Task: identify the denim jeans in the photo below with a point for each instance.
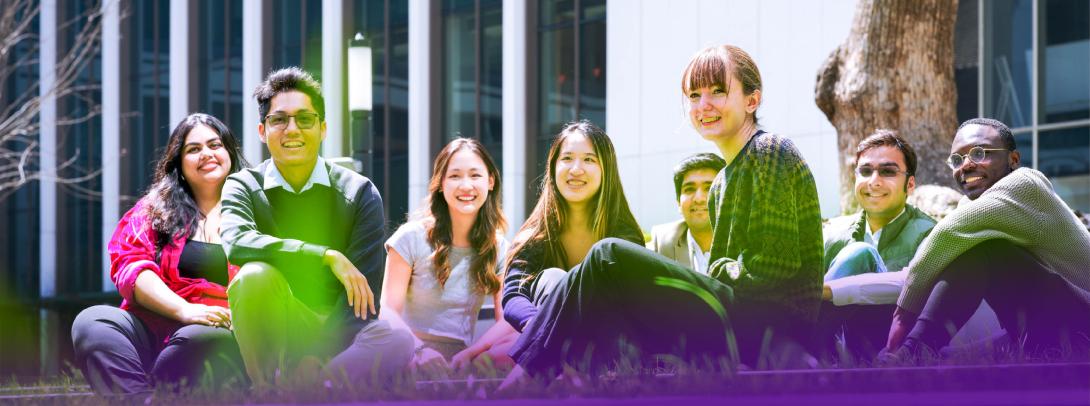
(854, 259)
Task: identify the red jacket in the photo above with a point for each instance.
(132, 250)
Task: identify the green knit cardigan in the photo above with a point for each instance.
(767, 242)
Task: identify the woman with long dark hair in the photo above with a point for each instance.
(171, 271)
(442, 264)
(582, 202)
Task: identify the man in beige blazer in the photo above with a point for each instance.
(688, 240)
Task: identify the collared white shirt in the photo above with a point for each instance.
(873, 239)
(697, 257)
(273, 177)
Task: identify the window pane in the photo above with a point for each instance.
(219, 65)
(492, 79)
(79, 207)
(459, 71)
(1065, 60)
(967, 60)
(592, 61)
(297, 35)
(1065, 159)
(1007, 63)
(145, 124)
(386, 30)
(556, 12)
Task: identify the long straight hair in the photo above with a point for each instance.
(610, 215)
(169, 201)
(490, 221)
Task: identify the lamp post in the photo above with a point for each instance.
(359, 103)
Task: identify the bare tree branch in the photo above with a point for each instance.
(20, 151)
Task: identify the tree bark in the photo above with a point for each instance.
(896, 71)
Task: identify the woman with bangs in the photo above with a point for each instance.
(762, 291)
(443, 262)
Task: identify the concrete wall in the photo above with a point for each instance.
(649, 42)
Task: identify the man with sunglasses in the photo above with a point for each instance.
(865, 251)
(308, 236)
(1011, 241)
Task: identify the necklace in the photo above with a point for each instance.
(210, 234)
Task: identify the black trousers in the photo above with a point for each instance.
(119, 355)
(623, 291)
(1037, 307)
(863, 329)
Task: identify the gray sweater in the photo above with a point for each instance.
(1021, 208)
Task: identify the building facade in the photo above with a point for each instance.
(507, 72)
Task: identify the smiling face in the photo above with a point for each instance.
(720, 112)
(578, 170)
(204, 158)
(466, 183)
(976, 177)
(292, 148)
(883, 197)
(694, 198)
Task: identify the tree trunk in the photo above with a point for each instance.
(896, 71)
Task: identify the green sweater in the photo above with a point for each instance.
(896, 245)
(1021, 208)
(767, 224)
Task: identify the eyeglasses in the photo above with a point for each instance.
(883, 171)
(304, 120)
(976, 154)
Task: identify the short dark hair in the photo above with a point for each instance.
(287, 80)
(703, 160)
(884, 137)
(1004, 131)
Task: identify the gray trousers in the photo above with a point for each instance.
(119, 355)
(275, 330)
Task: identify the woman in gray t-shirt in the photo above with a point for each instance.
(443, 262)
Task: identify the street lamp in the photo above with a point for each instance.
(359, 102)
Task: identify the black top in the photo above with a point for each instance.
(201, 260)
(518, 295)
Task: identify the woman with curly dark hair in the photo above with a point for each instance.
(171, 271)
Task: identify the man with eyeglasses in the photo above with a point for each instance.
(866, 251)
(1011, 241)
(309, 237)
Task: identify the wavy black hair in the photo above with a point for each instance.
(169, 200)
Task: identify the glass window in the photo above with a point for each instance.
(592, 62)
(146, 103)
(967, 60)
(1064, 41)
(1008, 66)
(459, 69)
(79, 205)
(571, 74)
(19, 210)
(1065, 159)
(219, 63)
(385, 27)
(297, 34)
(473, 73)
